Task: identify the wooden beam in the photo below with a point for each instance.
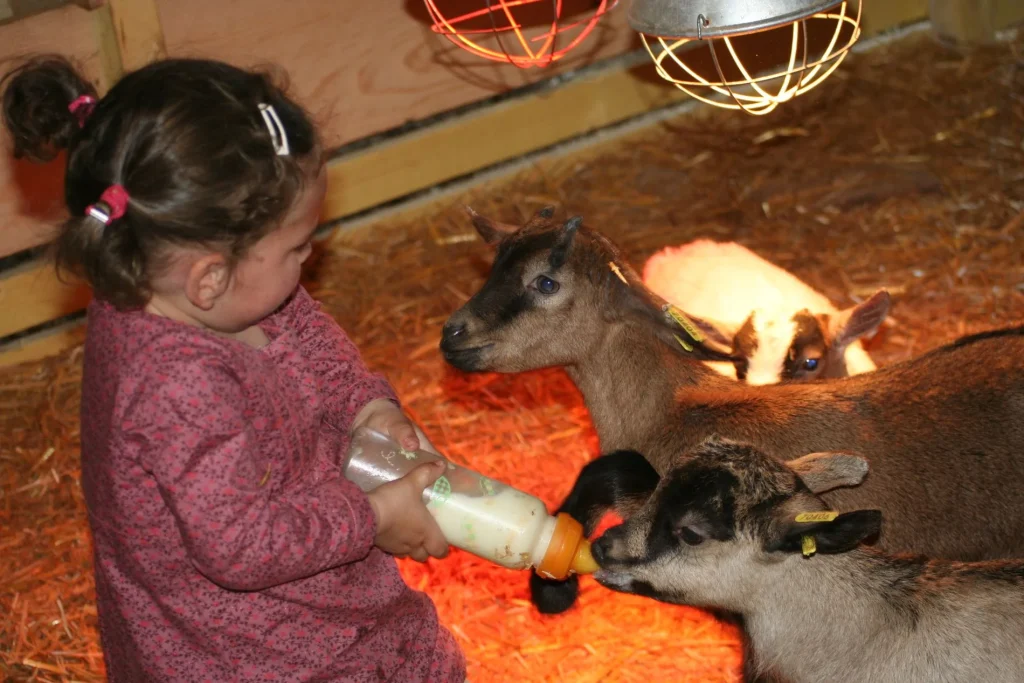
(389, 170)
(111, 67)
(137, 29)
(47, 343)
(31, 295)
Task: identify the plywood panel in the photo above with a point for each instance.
(140, 38)
(390, 170)
(1006, 13)
(43, 344)
(362, 67)
(30, 195)
(33, 295)
(882, 16)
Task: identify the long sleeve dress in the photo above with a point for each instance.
(228, 545)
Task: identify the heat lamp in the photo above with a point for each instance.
(525, 33)
(810, 37)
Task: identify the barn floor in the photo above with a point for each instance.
(905, 170)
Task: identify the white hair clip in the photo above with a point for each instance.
(277, 134)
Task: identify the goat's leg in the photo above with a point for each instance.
(619, 481)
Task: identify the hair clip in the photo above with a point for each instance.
(82, 107)
(277, 133)
(111, 205)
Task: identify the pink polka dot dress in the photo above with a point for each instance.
(228, 545)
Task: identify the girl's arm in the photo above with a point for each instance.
(242, 526)
(347, 386)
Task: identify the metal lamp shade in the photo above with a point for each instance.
(740, 65)
(713, 18)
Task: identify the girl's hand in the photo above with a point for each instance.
(404, 525)
(385, 417)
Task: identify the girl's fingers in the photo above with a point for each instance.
(437, 546)
(403, 433)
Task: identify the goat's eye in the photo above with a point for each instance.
(545, 285)
(811, 364)
(688, 536)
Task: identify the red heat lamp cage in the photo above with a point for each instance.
(525, 33)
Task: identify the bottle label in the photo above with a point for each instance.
(442, 491)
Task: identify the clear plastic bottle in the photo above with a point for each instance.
(475, 513)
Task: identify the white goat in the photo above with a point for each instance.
(780, 326)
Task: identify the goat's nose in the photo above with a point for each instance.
(452, 330)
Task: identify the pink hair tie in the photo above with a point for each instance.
(111, 205)
(82, 107)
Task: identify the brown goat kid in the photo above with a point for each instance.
(723, 531)
(944, 432)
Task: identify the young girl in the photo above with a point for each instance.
(217, 398)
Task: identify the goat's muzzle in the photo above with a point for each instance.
(457, 347)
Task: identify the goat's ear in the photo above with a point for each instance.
(695, 337)
(692, 337)
(720, 333)
(862, 320)
(544, 214)
(844, 533)
(560, 252)
(825, 471)
(492, 232)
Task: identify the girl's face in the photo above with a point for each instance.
(269, 272)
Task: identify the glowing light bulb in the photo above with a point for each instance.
(525, 33)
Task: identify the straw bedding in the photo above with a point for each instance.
(904, 171)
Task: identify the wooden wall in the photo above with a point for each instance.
(360, 67)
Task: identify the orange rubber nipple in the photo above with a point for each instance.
(568, 552)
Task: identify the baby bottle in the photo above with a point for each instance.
(477, 514)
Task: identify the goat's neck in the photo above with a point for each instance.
(628, 380)
(820, 617)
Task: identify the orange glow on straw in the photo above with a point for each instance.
(524, 51)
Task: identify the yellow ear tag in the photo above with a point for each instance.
(684, 323)
(686, 347)
(808, 546)
(615, 269)
(826, 516)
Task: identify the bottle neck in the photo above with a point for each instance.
(544, 538)
(563, 548)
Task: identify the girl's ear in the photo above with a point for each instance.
(689, 336)
(207, 280)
